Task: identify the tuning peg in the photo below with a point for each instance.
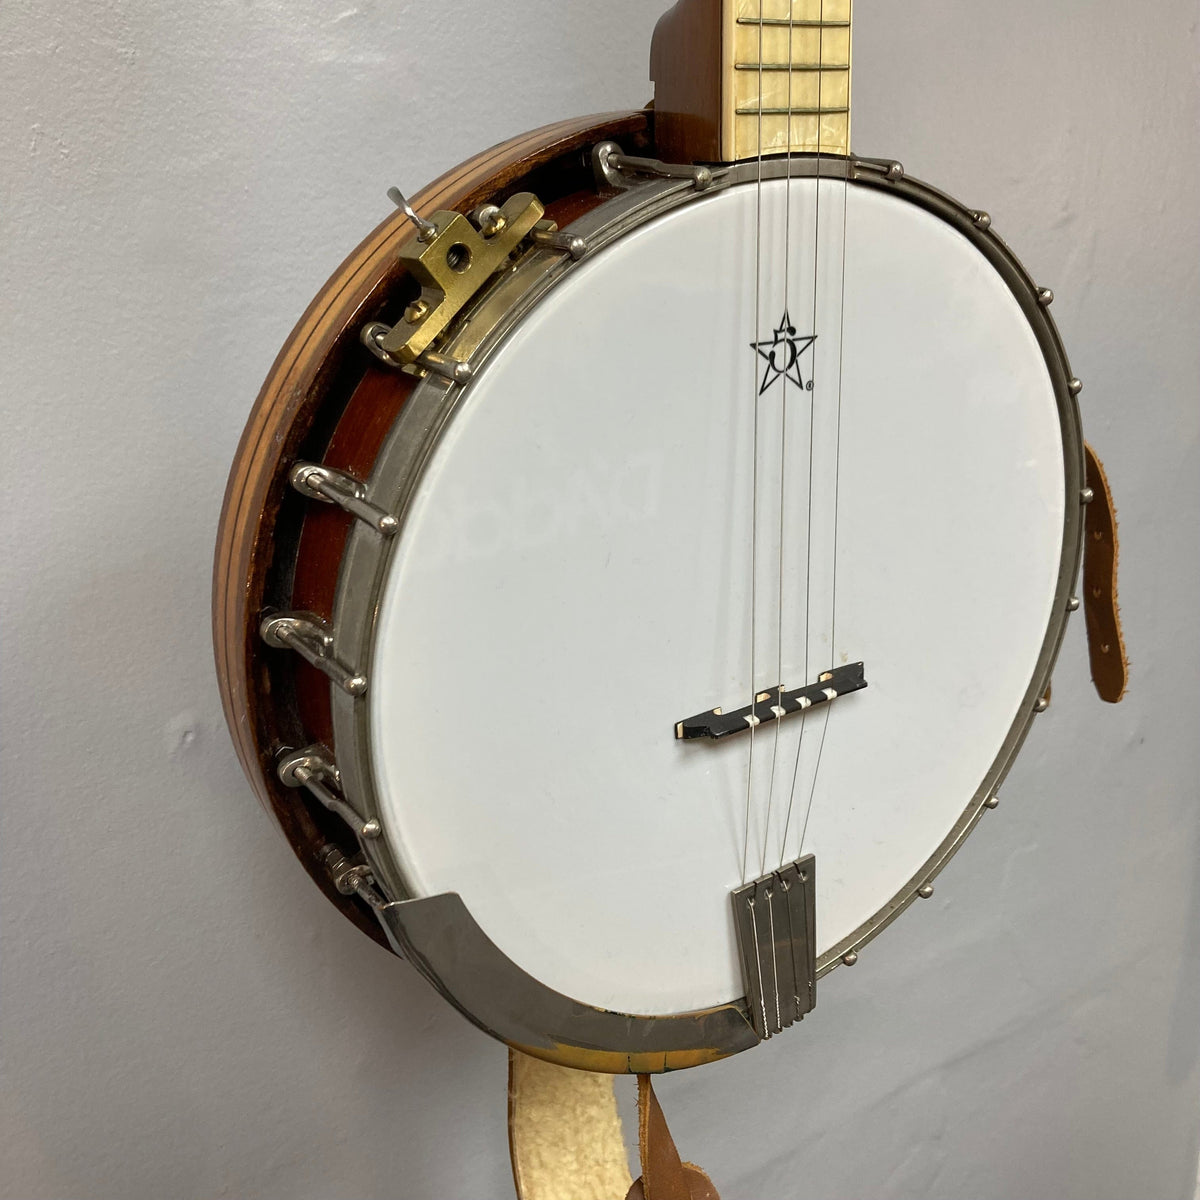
(426, 230)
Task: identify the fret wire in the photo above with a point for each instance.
(791, 67)
(795, 112)
(793, 24)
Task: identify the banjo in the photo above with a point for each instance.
(649, 552)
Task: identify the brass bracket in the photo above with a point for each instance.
(452, 260)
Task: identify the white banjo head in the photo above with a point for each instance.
(655, 451)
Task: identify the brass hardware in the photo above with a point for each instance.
(416, 312)
(453, 263)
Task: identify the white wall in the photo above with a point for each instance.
(183, 1016)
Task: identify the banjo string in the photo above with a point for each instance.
(811, 436)
(787, 247)
(754, 451)
(837, 470)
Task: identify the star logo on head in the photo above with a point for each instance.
(781, 353)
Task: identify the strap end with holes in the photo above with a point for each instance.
(1106, 642)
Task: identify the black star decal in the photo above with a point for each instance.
(782, 356)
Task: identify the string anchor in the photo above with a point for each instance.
(775, 919)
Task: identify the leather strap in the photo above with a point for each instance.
(664, 1176)
(1106, 644)
(564, 1133)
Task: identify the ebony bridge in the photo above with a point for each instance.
(772, 704)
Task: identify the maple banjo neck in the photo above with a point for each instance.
(611, 626)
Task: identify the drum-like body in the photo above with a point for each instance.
(760, 431)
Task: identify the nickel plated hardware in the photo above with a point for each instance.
(889, 168)
(613, 169)
(750, 66)
(490, 220)
(772, 704)
(775, 918)
(431, 362)
(312, 639)
(790, 23)
(811, 111)
(336, 487)
(546, 234)
(313, 769)
(426, 230)
(352, 877)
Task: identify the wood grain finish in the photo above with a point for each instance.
(803, 110)
(685, 64)
(326, 400)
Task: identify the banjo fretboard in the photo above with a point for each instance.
(786, 77)
(739, 79)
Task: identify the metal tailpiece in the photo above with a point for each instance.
(452, 259)
(312, 639)
(775, 918)
(336, 487)
(313, 769)
(617, 170)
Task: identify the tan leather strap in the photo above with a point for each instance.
(564, 1134)
(1106, 644)
(664, 1176)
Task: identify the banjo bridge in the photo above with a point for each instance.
(773, 704)
(775, 921)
